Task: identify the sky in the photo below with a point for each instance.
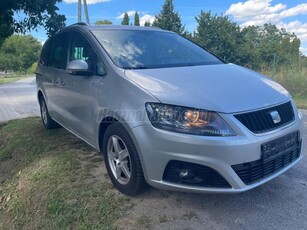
(288, 14)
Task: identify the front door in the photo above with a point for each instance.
(80, 106)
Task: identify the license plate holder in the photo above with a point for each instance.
(275, 148)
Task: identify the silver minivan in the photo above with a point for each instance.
(165, 112)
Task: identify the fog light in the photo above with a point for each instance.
(185, 174)
(190, 174)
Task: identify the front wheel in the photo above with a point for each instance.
(122, 160)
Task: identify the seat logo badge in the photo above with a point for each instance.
(275, 116)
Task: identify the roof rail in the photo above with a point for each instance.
(79, 24)
(155, 27)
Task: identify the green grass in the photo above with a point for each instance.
(52, 180)
(294, 79)
(301, 101)
(15, 76)
(9, 79)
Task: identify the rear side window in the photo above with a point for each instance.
(44, 55)
(58, 51)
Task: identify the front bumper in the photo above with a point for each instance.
(157, 148)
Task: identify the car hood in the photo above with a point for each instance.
(225, 88)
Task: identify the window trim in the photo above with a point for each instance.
(50, 51)
(45, 52)
(91, 45)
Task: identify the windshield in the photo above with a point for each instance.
(137, 49)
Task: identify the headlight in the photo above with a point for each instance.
(187, 120)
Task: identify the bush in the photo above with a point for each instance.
(294, 80)
(18, 52)
(32, 69)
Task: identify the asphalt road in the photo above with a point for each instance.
(18, 99)
(278, 204)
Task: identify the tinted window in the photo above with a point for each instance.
(151, 49)
(80, 49)
(58, 52)
(44, 55)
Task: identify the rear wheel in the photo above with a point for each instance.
(48, 122)
(122, 160)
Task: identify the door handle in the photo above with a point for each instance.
(58, 83)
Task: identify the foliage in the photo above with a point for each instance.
(126, 19)
(32, 69)
(5, 80)
(37, 13)
(168, 19)
(136, 19)
(19, 52)
(294, 79)
(103, 22)
(219, 35)
(253, 46)
(9, 62)
(277, 41)
(147, 24)
(304, 61)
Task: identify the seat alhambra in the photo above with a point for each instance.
(166, 112)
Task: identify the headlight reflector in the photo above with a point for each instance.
(187, 120)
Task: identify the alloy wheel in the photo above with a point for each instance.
(119, 159)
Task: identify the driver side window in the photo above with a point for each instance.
(80, 49)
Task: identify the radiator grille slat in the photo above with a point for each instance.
(261, 121)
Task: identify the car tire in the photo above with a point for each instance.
(48, 122)
(122, 161)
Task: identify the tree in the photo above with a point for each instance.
(257, 47)
(147, 24)
(126, 19)
(103, 22)
(219, 35)
(278, 42)
(266, 45)
(249, 50)
(36, 13)
(168, 19)
(9, 62)
(136, 19)
(19, 52)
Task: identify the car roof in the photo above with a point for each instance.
(85, 27)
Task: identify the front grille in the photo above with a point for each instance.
(197, 175)
(254, 171)
(261, 121)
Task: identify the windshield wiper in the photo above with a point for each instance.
(136, 67)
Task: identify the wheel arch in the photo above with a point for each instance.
(40, 95)
(104, 124)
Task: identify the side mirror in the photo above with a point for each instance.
(78, 67)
